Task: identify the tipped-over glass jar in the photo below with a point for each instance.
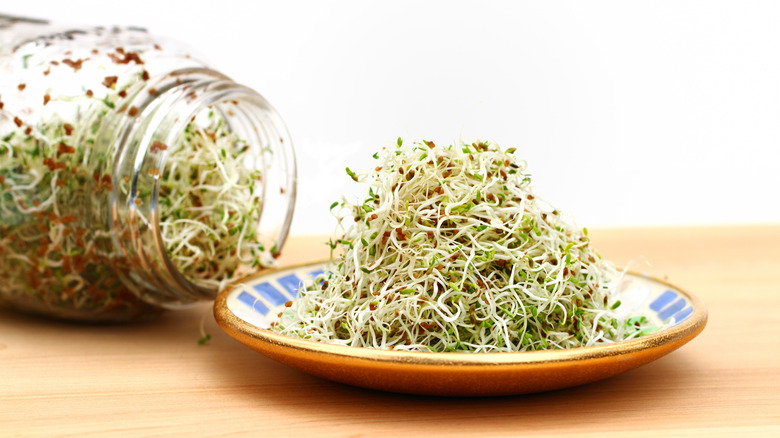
(132, 176)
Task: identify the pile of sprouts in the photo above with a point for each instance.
(451, 251)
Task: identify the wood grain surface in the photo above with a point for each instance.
(152, 378)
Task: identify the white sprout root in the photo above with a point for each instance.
(451, 251)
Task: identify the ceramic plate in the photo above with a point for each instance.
(244, 313)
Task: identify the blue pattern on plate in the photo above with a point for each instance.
(275, 291)
(270, 293)
(291, 283)
(671, 309)
(253, 302)
(666, 307)
(682, 314)
(665, 298)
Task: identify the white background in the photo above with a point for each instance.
(628, 113)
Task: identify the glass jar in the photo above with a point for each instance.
(133, 177)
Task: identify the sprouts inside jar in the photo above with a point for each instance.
(65, 99)
(451, 251)
(210, 198)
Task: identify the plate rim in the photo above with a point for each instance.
(250, 334)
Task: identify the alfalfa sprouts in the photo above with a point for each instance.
(61, 252)
(451, 251)
(211, 205)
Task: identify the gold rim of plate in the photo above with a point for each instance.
(461, 374)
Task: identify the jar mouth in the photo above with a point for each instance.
(208, 189)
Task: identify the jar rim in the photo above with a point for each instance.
(164, 119)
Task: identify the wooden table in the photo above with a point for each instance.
(153, 378)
